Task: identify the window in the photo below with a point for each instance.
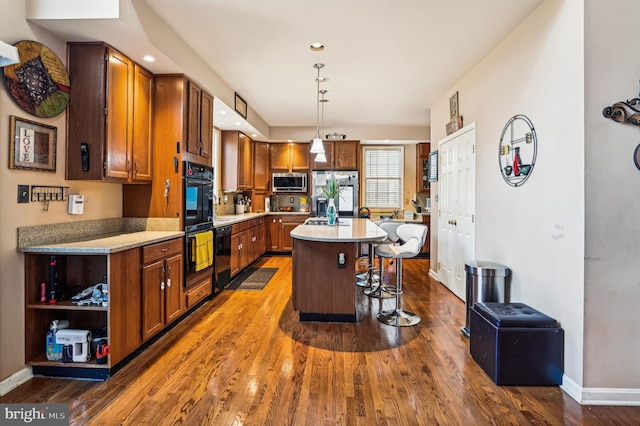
(383, 170)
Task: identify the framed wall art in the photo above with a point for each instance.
(241, 106)
(453, 106)
(32, 145)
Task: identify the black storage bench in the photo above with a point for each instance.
(515, 344)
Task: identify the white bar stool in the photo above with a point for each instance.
(390, 228)
(412, 237)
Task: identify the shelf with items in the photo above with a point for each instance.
(422, 167)
(73, 273)
(68, 305)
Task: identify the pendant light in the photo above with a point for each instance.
(321, 157)
(316, 145)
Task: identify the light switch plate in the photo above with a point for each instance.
(23, 193)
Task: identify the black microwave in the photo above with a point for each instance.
(289, 182)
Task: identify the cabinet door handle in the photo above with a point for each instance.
(128, 165)
(169, 282)
(137, 167)
(162, 285)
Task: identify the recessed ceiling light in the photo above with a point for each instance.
(223, 112)
(316, 47)
(149, 58)
(238, 123)
(289, 140)
(253, 135)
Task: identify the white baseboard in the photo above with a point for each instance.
(433, 274)
(15, 380)
(601, 396)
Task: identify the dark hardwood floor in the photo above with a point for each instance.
(243, 358)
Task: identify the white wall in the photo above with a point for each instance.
(612, 273)
(537, 229)
(104, 199)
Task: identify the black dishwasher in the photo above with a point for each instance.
(222, 257)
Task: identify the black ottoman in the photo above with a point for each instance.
(515, 344)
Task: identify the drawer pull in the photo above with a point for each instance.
(165, 249)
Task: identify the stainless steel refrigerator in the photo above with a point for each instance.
(348, 200)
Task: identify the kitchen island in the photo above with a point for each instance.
(324, 267)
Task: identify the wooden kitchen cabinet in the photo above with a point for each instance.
(200, 123)
(279, 231)
(422, 167)
(341, 155)
(290, 157)
(162, 283)
(261, 169)
(171, 130)
(426, 248)
(237, 161)
(111, 115)
(240, 247)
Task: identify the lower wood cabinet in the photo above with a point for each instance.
(279, 230)
(248, 243)
(162, 283)
(199, 291)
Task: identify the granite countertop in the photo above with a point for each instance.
(348, 230)
(237, 218)
(104, 244)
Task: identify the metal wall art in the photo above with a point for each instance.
(626, 112)
(39, 83)
(517, 150)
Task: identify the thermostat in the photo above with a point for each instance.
(76, 204)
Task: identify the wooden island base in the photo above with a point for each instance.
(322, 290)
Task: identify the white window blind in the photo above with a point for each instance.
(383, 168)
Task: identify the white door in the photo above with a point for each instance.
(456, 215)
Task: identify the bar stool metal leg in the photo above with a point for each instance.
(397, 317)
(378, 291)
(368, 278)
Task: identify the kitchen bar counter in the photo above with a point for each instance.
(324, 268)
(347, 230)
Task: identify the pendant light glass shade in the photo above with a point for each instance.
(321, 158)
(316, 146)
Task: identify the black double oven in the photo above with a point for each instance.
(197, 180)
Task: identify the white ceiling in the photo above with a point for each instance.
(387, 61)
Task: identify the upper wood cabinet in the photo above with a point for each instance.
(261, 166)
(341, 155)
(237, 161)
(290, 156)
(200, 122)
(173, 126)
(111, 115)
(422, 167)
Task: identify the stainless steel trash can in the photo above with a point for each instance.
(486, 282)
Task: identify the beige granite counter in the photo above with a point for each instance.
(237, 218)
(104, 244)
(348, 230)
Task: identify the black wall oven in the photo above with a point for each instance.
(198, 216)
